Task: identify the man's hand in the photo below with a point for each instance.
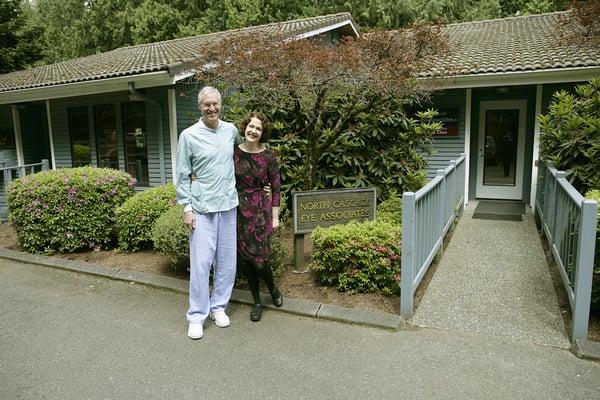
(190, 220)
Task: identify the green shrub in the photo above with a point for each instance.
(390, 210)
(137, 215)
(279, 255)
(68, 209)
(595, 195)
(170, 236)
(571, 137)
(358, 257)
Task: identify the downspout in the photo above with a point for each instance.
(137, 96)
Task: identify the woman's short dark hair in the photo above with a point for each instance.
(266, 125)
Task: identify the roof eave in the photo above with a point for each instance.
(117, 84)
(555, 75)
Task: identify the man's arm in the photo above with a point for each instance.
(184, 185)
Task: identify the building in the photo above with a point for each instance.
(124, 108)
(500, 75)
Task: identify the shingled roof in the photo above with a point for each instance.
(528, 43)
(168, 55)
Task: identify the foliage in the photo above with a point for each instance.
(390, 211)
(338, 111)
(571, 134)
(358, 257)
(135, 217)
(20, 47)
(68, 209)
(582, 24)
(170, 236)
(595, 195)
(58, 30)
(279, 255)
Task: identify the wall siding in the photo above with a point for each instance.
(448, 148)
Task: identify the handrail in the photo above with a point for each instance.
(427, 215)
(568, 222)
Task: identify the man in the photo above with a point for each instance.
(206, 186)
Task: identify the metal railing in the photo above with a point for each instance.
(8, 174)
(569, 221)
(427, 215)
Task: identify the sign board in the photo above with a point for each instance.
(329, 207)
(448, 117)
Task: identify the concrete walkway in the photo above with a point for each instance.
(493, 279)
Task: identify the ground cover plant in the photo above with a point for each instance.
(68, 209)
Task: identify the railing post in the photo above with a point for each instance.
(453, 186)
(584, 269)
(441, 203)
(45, 165)
(408, 254)
(554, 203)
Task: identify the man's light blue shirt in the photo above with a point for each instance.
(208, 154)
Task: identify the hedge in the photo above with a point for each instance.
(135, 218)
(358, 257)
(170, 235)
(68, 209)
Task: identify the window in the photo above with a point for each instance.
(135, 140)
(106, 136)
(81, 153)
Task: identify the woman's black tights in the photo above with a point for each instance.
(253, 271)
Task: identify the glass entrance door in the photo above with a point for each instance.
(501, 150)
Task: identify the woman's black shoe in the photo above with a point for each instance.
(256, 313)
(277, 297)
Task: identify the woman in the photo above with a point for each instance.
(258, 213)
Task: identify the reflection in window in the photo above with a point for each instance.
(106, 136)
(7, 139)
(136, 145)
(81, 153)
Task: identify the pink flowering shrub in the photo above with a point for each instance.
(358, 257)
(137, 215)
(68, 209)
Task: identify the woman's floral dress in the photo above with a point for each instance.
(254, 171)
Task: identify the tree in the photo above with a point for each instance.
(582, 23)
(154, 21)
(322, 96)
(20, 47)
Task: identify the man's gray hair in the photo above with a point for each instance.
(205, 91)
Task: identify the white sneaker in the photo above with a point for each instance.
(221, 319)
(195, 330)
